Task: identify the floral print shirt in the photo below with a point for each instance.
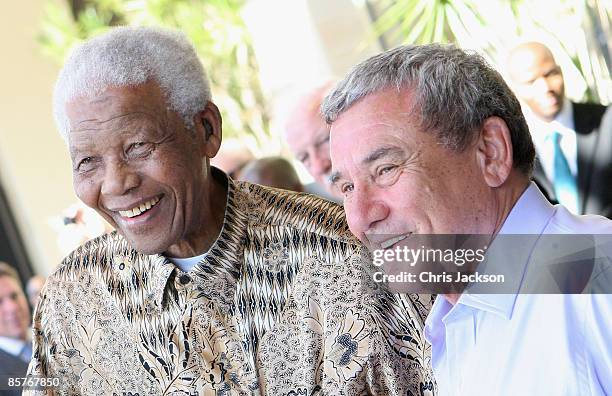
(280, 305)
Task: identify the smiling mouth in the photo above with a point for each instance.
(386, 244)
(138, 210)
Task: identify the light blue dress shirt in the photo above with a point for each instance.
(526, 344)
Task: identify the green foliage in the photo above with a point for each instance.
(427, 21)
(492, 26)
(215, 27)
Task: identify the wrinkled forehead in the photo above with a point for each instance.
(147, 95)
(113, 103)
(359, 138)
(389, 107)
(355, 139)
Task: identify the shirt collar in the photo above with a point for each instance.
(527, 219)
(566, 115)
(218, 267)
(541, 129)
(11, 345)
(533, 203)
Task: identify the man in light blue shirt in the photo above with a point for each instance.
(526, 344)
(429, 140)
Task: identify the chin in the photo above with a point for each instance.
(149, 249)
(146, 248)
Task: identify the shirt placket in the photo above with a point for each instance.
(460, 341)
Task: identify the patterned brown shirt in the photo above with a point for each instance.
(280, 305)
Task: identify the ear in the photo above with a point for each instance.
(494, 151)
(207, 125)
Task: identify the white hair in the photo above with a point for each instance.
(127, 56)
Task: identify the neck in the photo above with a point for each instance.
(549, 118)
(452, 298)
(212, 216)
(505, 197)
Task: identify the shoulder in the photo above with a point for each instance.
(589, 116)
(300, 211)
(95, 256)
(589, 317)
(565, 222)
(106, 264)
(12, 365)
(589, 108)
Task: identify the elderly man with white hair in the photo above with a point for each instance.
(208, 286)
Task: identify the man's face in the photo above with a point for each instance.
(14, 309)
(398, 181)
(308, 138)
(538, 81)
(137, 165)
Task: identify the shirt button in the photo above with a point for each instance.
(184, 279)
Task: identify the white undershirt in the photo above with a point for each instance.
(187, 264)
(14, 346)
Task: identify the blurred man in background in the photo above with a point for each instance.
(15, 344)
(232, 157)
(274, 172)
(307, 136)
(573, 140)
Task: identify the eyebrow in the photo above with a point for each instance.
(372, 157)
(380, 153)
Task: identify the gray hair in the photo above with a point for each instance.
(454, 91)
(127, 56)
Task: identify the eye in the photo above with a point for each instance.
(346, 188)
(386, 169)
(139, 149)
(386, 172)
(86, 164)
(387, 175)
(554, 72)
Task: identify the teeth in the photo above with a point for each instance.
(390, 242)
(139, 209)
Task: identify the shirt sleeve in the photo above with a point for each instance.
(38, 367)
(599, 343)
(400, 357)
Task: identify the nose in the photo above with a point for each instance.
(119, 179)
(365, 212)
